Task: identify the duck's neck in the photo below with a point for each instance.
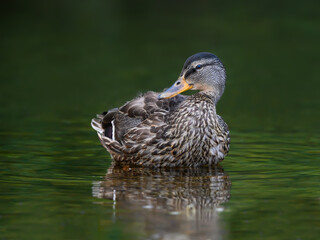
(203, 102)
(209, 96)
(214, 91)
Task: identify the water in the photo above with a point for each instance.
(61, 64)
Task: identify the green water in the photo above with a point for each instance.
(61, 63)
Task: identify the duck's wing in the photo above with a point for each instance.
(136, 121)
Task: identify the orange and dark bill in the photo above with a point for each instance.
(178, 87)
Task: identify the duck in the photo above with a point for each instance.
(168, 129)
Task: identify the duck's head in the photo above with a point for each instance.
(202, 71)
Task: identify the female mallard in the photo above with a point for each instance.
(170, 130)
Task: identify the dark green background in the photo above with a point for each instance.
(64, 61)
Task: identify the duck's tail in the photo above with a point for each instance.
(103, 124)
(96, 124)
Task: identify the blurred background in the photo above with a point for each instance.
(71, 60)
(64, 61)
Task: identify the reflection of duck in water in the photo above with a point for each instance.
(177, 201)
(170, 130)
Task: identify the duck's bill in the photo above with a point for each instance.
(178, 87)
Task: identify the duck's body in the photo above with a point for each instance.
(168, 130)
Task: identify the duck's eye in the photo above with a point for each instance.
(199, 66)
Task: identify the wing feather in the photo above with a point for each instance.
(139, 121)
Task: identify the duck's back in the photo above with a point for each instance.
(117, 122)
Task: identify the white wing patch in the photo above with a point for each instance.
(113, 130)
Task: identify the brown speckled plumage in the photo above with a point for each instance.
(171, 132)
